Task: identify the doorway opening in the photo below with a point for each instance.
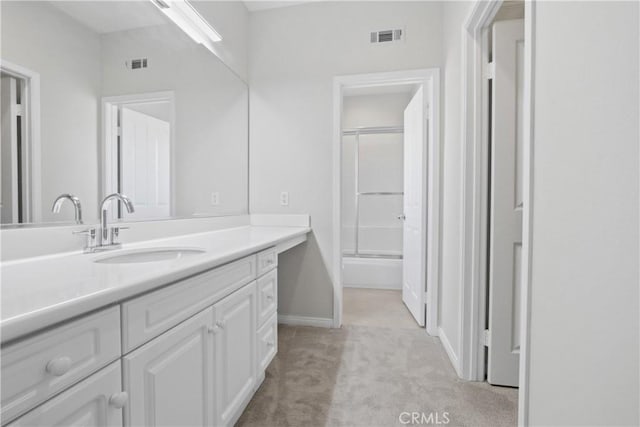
(498, 64)
(138, 152)
(20, 145)
(386, 161)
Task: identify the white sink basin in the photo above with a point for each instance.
(148, 255)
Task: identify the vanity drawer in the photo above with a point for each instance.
(267, 342)
(39, 367)
(96, 401)
(267, 296)
(267, 260)
(150, 315)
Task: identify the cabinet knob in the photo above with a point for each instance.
(220, 324)
(59, 366)
(212, 329)
(119, 399)
(270, 344)
(270, 297)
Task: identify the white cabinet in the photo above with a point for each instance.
(35, 369)
(267, 296)
(171, 379)
(235, 353)
(96, 401)
(267, 343)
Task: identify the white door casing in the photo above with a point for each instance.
(414, 227)
(9, 153)
(506, 208)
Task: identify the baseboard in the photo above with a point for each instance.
(319, 322)
(449, 350)
(397, 287)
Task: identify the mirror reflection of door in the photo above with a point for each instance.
(144, 165)
(13, 204)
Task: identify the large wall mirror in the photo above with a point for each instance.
(112, 96)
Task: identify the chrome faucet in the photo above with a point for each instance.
(77, 206)
(104, 237)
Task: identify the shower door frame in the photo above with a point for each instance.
(428, 78)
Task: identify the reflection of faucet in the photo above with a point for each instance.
(105, 238)
(104, 228)
(77, 206)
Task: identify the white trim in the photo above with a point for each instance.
(527, 214)
(382, 286)
(475, 172)
(429, 78)
(107, 162)
(34, 152)
(319, 322)
(449, 350)
(475, 196)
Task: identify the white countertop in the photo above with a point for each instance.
(39, 292)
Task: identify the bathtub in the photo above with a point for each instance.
(372, 272)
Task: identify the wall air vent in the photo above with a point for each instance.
(387, 36)
(136, 64)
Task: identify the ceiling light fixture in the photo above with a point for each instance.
(190, 21)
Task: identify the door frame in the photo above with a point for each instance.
(475, 166)
(428, 78)
(107, 150)
(33, 161)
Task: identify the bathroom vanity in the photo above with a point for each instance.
(185, 341)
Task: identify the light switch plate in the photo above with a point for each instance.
(284, 198)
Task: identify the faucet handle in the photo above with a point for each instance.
(115, 233)
(91, 234)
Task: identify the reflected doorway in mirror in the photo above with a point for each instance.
(138, 153)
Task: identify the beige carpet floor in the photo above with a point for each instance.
(369, 375)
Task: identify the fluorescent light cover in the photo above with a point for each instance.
(190, 21)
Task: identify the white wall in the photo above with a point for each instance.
(584, 366)
(231, 21)
(211, 105)
(380, 169)
(38, 36)
(294, 54)
(454, 16)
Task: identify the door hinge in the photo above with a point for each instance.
(426, 296)
(490, 70)
(486, 337)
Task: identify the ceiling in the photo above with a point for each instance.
(110, 16)
(258, 5)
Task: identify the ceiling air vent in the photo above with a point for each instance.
(136, 64)
(387, 36)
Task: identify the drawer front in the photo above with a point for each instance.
(267, 260)
(149, 315)
(267, 342)
(96, 401)
(39, 367)
(267, 296)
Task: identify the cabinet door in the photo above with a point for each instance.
(170, 379)
(95, 401)
(235, 352)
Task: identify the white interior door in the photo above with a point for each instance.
(505, 237)
(145, 163)
(414, 227)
